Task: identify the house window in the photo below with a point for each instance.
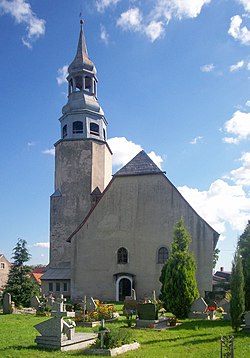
(77, 127)
(57, 286)
(162, 255)
(65, 131)
(51, 286)
(122, 256)
(65, 286)
(2, 265)
(94, 128)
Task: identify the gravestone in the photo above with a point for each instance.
(35, 302)
(198, 309)
(148, 316)
(90, 305)
(7, 307)
(57, 333)
(226, 308)
(50, 300)
(246, 327)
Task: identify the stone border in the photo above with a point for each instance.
(113, 351)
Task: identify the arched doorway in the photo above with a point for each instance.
(123, 287)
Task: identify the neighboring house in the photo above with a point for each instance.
(5, 266)
(37, 273)
(109, 235)
(221, 280)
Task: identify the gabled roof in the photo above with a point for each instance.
(139, 165)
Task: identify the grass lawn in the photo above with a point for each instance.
(194, 338)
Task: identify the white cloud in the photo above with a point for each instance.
(207, 68)
(154, 24)
(21, 11)
(125, 150)
(104, 35)
(157, 159)
(154, 30)
(239, 126)
(31, 144)
(220, 205)
(237, 66)
(241, 176)
(196, 140)
(130, 20)
(43, 245)
(49, 151)
(248, 66)
(239, 32)
(62, 73)
(248, 103)
(246, 4)
(101, 5)
(179, 8)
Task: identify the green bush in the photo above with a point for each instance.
(115, 338)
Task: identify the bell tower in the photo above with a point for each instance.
(83, 163)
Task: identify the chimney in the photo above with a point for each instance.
(222, 269)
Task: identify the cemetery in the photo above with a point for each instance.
(47, 329)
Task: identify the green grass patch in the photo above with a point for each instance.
(193, 338)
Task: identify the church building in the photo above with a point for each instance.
(109, 234)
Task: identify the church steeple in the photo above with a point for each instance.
(82, 116)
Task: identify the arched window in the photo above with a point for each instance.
(88, 83)
(122, 256)
(94, 128)
(77, 127)
(65, 131)
(162, 255)
(78, 83)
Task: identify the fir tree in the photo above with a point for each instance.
(237, 303)
(178, 280)
(20, 285)
(244, 250)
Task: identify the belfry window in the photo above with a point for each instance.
(64, 134)
(77, 127)
(104, 134)
(122, 256)
(94, 128)
(2, 265)
(162, 255)
(79, 83)
(88, 83)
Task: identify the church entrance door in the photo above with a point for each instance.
(125, 287)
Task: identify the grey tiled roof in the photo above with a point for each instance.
(56, 274)
(140, 164)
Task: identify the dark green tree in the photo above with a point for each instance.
(20, 285)
(215, 257)
(237, 302)
(179, 288)
(244, 249)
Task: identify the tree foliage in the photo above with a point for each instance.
(215, 257)
(244, 250)
(237, 303)
(20, 285)
(178, 280)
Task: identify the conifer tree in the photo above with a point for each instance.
(19, 284)
(237, 303)
(179, 288)
(244, 250)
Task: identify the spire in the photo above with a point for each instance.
(81, 60)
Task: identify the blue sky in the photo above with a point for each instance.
(174, 79)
